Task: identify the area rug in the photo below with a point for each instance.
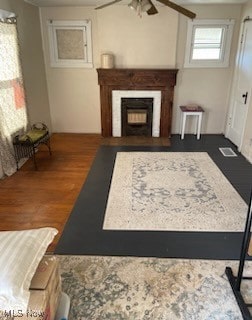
(127, 288)
(172, 191)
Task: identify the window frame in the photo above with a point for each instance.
(223, 62)
(85, 27)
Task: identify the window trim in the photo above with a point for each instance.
(227, 24)
(85, 27)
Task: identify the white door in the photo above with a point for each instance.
(241, 93)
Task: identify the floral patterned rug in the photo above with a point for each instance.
(130, 288)
(175, 191)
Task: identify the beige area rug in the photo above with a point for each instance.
(175, 191)
(128, 288)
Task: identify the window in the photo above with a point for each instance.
(70, 43)
(13, 111)
(208, 43)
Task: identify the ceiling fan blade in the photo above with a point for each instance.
(107, 4)
(153, 9)
(178, 8)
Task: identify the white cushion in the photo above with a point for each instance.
(20, 254)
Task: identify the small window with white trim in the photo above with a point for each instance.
(70, 43)
(208, 43)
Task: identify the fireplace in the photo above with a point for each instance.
(119, 95)
(147, 82)
(136, 116)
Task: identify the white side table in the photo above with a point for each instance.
(191, 111)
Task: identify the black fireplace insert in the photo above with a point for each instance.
(137, 114)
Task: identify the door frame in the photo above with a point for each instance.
(234, 83)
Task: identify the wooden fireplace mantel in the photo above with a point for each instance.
(162, 80)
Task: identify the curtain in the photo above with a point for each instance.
(13, 113)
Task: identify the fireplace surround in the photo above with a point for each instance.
(117, 98)
(162, 80)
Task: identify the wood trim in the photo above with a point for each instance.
(162, 80)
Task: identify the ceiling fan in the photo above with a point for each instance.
(148, 7)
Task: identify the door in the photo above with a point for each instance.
(241, 93)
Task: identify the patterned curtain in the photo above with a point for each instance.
(13, 115)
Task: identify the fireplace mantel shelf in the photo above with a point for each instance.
(163, 80)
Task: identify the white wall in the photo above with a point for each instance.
(149, 42)
(247, 140)
(208, 87)
(5, 5)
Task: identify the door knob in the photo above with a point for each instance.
(245, 96)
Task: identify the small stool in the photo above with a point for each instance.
(191, 111)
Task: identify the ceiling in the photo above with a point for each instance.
(58, 3)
